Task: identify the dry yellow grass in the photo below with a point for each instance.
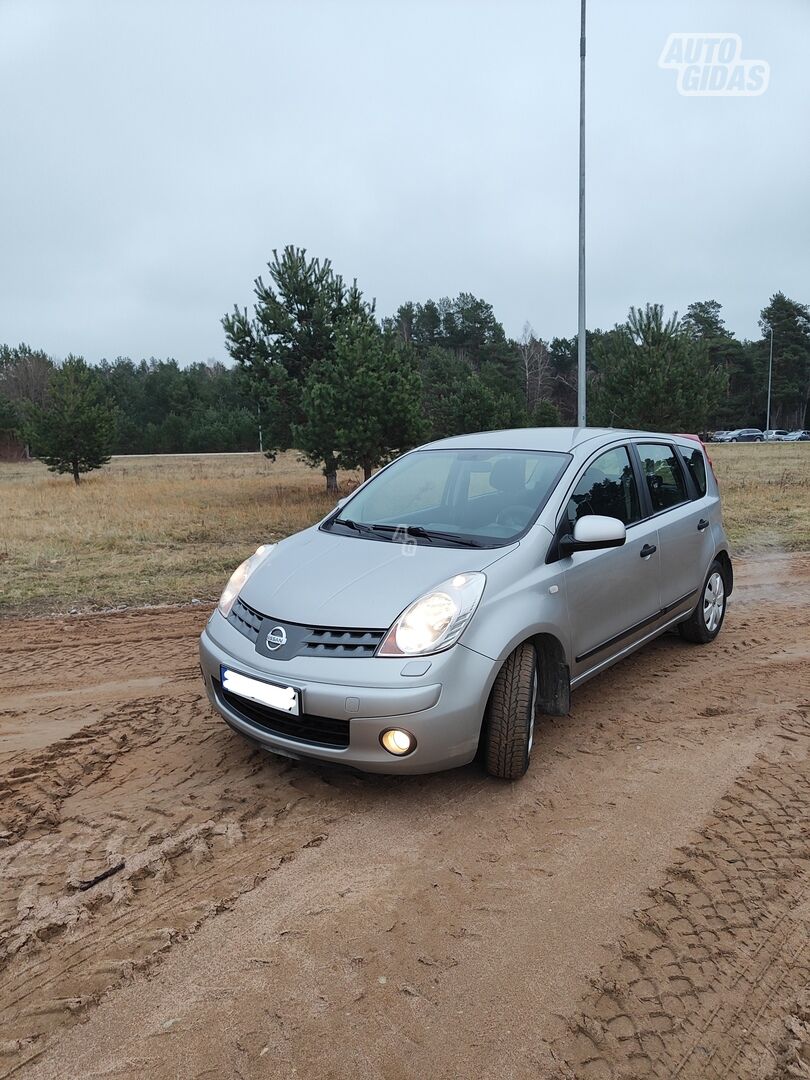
(145, 530)
(766, 495)
(164, 529)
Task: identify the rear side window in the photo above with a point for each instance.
(662, 473)
(608, 486)
(696, 464)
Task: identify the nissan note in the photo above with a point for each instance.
(467, 587)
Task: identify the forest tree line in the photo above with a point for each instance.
(316, 369)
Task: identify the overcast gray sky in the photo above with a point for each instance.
(155, 153)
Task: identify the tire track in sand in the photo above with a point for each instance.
(209, 832)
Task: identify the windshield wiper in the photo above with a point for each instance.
(356, 525)
(427, 534)
(409, 530)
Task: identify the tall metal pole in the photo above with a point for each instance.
(581, 412)
(770, 372)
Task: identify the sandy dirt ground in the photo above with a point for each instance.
(638, 906)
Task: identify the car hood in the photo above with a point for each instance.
(320, 578)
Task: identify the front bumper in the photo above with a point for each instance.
(442, 708)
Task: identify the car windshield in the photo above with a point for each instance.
(476, 498)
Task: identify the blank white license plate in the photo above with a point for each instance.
(283, 698)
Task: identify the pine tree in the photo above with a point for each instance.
(294, 326)
(704, 322)
(790, 322)
(9, 418)
(363, 404)
(456, 400)
(544, 414)
(73, 431)
(653, 375)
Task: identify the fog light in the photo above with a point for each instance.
(398, 742)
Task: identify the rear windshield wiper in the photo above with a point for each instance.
(427, 534)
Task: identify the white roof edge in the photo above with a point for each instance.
(559, 439)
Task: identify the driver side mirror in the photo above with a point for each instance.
(593, 532)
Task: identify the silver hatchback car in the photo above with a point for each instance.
(466, 587)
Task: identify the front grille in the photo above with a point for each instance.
(246, 619)
(314, 640)
(315, 730)
(324, 641)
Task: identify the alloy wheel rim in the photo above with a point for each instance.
(714, 599)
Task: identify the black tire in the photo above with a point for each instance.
(509, 720)
(700, 626)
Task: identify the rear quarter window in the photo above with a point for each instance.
(696, 464)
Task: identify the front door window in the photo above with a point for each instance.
(608, 487)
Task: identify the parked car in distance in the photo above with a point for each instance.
(716, 436)
(774, 435)
(797, 436)
(468, 586)
(745, 434)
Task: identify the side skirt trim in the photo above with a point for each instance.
(610, 660)
(637, 626)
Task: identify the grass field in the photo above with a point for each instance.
(145, 530)
(766, 495)
(164, 529)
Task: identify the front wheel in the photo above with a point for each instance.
(704, 624)
(509, 719)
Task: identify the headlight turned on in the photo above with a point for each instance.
(436, 620)
(240, 575)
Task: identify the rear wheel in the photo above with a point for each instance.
(509, 720)
(704, 624)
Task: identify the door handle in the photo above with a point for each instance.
(648, 550)
(702, 524)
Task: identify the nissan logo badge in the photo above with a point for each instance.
(276, 638)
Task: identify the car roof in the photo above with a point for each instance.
(556, 439)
